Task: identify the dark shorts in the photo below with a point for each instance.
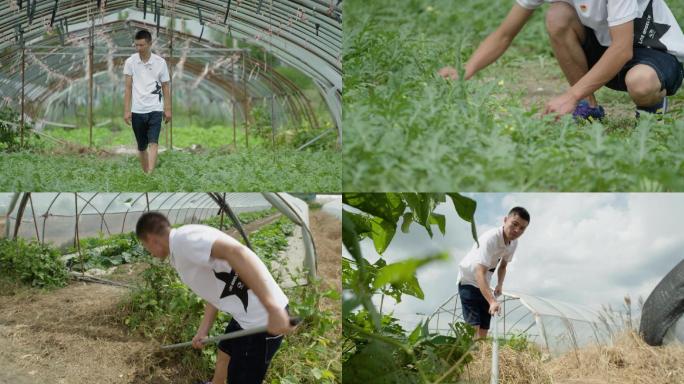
(475, 306)
(250, 356)
(146, 127)
(668, 68)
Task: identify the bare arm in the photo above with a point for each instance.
(166, 92)
(247, 265)
(498, 41)
(208, 319)
(613, 59)
(501, 273)
(128, 90)
(480, 274)
(495, 44)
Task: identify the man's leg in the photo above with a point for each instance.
(152, 156)
(480, 333)
(142, 155)
(221, 370)
(643, 86)
(567, 34)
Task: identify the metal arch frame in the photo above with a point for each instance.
(508, 296)
(242, 23)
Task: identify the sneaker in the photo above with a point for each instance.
(584, 111)
(658, 110)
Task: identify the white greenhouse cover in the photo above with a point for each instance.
(554, 325)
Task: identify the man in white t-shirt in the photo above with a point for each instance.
(634, 46)
(146, 95)
(497, 247)
(230, 278)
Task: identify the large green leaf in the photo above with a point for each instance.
(465, 207)
(403, 274)
(388, 206)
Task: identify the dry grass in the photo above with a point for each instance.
(629, 361)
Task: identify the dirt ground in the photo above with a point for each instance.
(75, 335)
(327, 234)
(67, 336)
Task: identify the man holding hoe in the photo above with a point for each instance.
(496, 247)
(633, 46)
(230, 278)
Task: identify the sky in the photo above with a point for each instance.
(591, 249)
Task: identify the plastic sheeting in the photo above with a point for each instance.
(556, 326)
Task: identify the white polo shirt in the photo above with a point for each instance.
(147, 81)
(214, 280)
(492, 249)
(654, 24)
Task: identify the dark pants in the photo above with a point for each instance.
(250, 356)
(474, 305)
(668, 68)
(146, 127)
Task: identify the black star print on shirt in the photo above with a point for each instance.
(647, 33)
(234, 286)
(157, 90)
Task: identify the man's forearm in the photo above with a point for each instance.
(210, 313)
(127, 100)
(484, 288)
(491, 49)
(167, 97)
(605, 69)
(501, 273)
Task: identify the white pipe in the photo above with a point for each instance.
(495, 350)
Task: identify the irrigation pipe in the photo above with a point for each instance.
(232, 335)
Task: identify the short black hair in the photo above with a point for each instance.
(151, 223)
(144, 34)
(521, 212)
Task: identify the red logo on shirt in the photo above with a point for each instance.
(584, 8)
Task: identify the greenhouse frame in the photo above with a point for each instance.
(51, 50)
(554, 325)
(72, 216)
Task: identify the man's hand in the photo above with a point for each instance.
(167, 116)
(197, 340)
(449, 73)
(494, 308)
(278, 322)
(561, 105)
(127, 118)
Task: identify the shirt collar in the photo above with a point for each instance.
(139, 59)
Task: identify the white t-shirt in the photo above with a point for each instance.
(214, 280)
(147, 81)
(492, 248)
(654, 24)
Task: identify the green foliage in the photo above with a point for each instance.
(376, 348)
(312, 353)
(10, 136)
(104, 252)
(254, 170)
(32, 263)
(408, 129)
(244, 217)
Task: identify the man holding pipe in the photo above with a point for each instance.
(496, 248)
(231, 278)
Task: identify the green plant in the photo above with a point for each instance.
(32, 263)
(104, 252)
(405, 128)
(376, 348)
(10, 137)
(244, 217)
(253, 170)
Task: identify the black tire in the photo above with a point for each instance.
(664, 306)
